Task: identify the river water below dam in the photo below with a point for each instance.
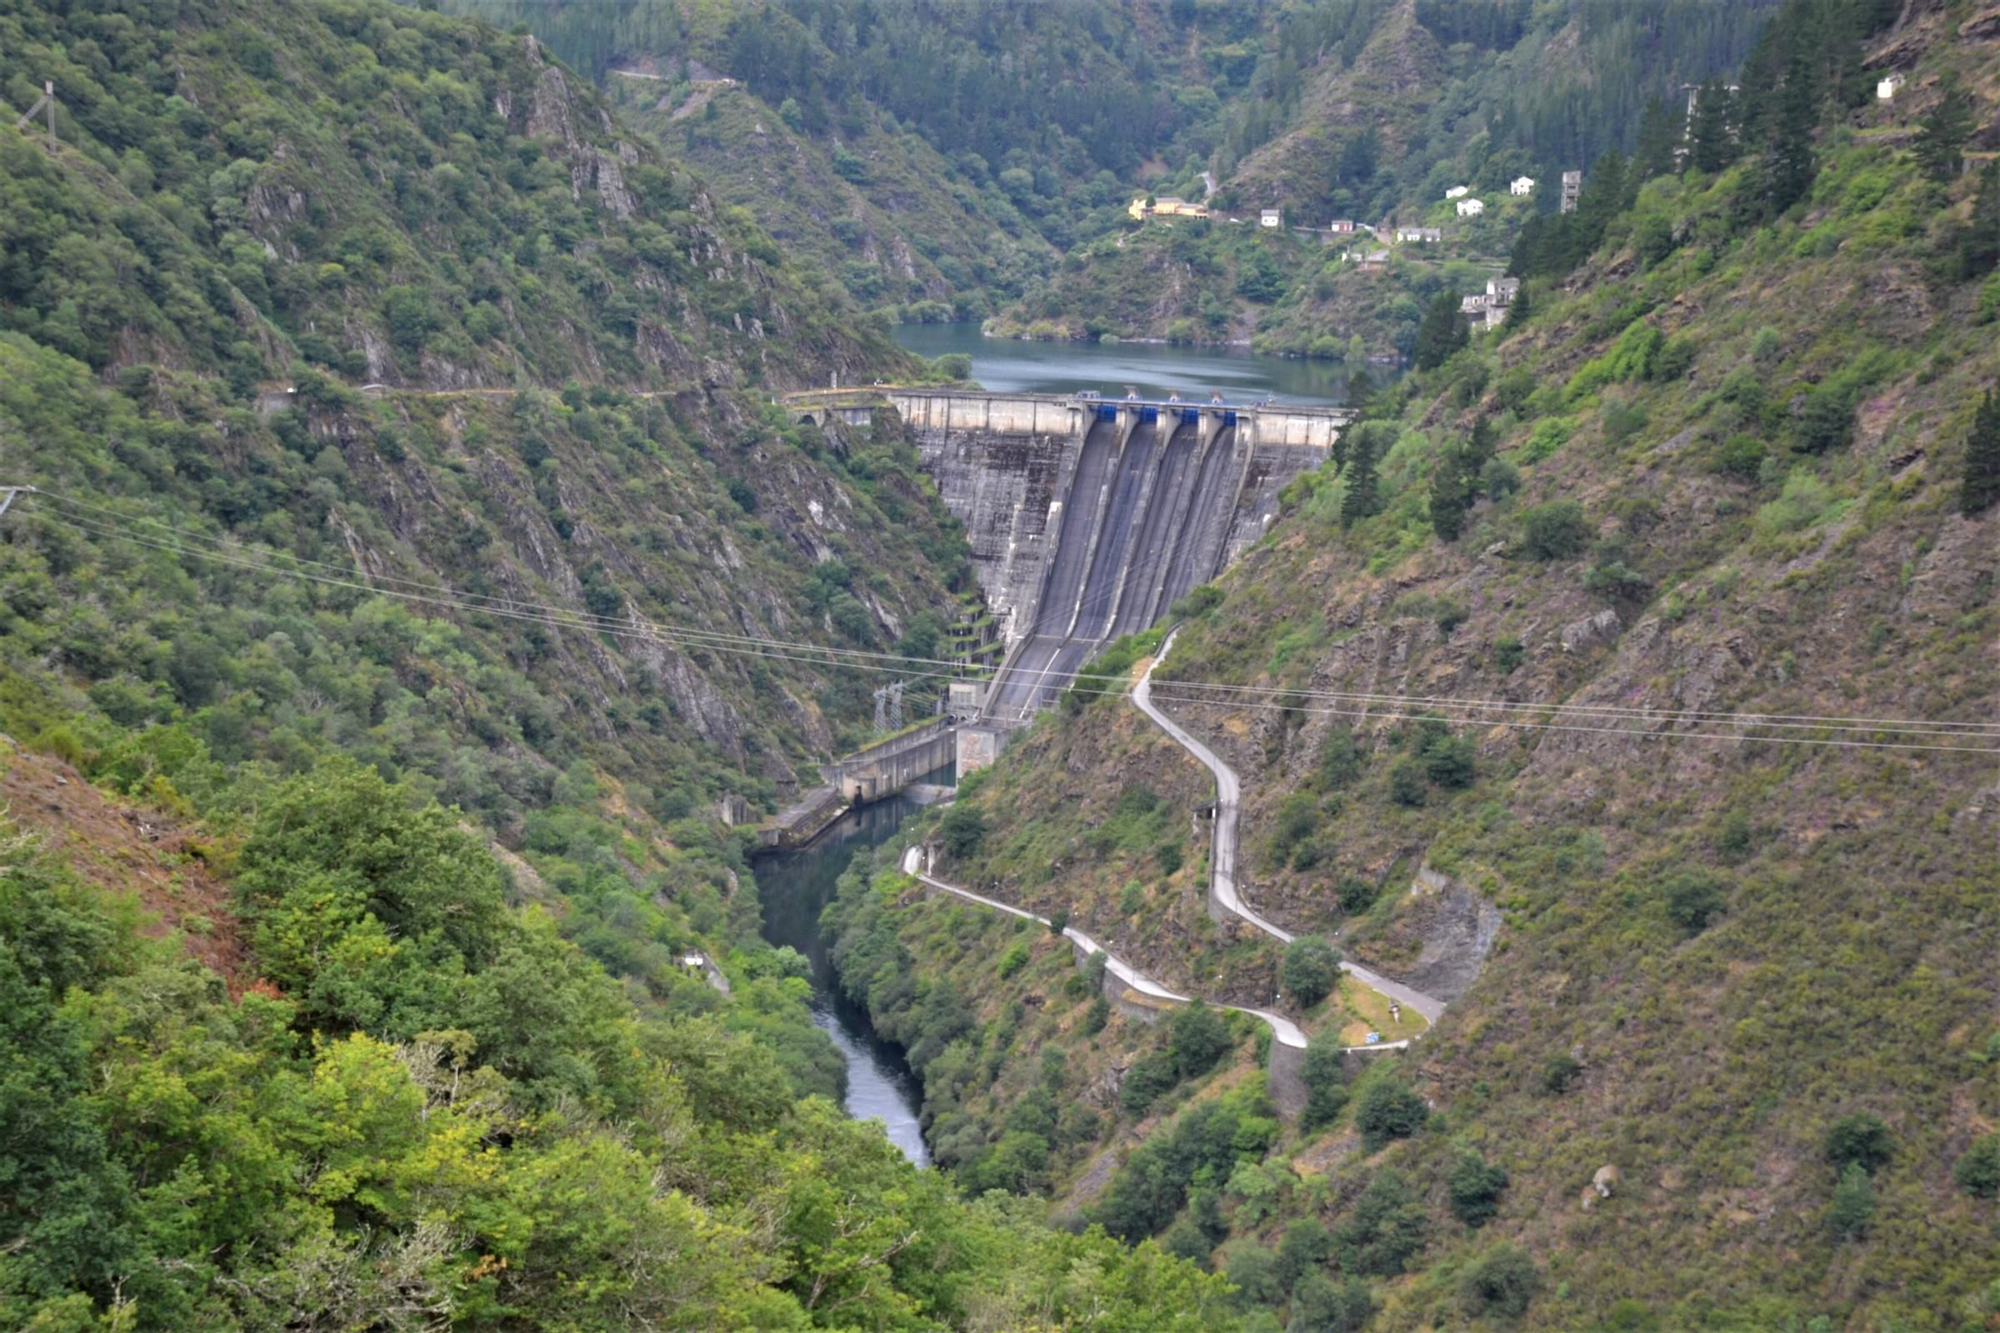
(795, 888)
(1007, 365)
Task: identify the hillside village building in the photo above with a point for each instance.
(1457, 192)
(1521, 186)
(1271, 217)
(1470, 208)
(1418, 235)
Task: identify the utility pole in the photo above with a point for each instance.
(46, 100)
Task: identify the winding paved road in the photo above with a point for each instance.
(1284, 1029)
(1228, 796)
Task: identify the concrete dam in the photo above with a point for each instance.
(1088, 518)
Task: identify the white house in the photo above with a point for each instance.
(1418, 235)
(1341, 226)
(1458, 192)
(1502, 291)
(1470, 208)
(1886, 90)
(1271, 217)
(1521, 185)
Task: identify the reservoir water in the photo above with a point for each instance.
(795, 888)
(1006, 365)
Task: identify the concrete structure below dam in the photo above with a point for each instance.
(1088, 517)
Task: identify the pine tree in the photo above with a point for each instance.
(1763, 75)
(1789, 166)
(1517, 313)
(1944, 132)
(1654, 154)
(1442, 332)
(1979, 243)
(1451, 495)
(1980, 486)
(1712, 143)
(1359, 500)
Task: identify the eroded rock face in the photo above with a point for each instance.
(1590, 631)
(1457, 926)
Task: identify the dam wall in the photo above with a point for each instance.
(1088, 518)
(1002, 465)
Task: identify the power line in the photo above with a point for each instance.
(1375, 706)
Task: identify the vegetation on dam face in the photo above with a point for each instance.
(367, 754)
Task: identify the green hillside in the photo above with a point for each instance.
(402, 439)
(1732, 458)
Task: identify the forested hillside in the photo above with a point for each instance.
(1727, 478)
(940, 162)
(403, 452)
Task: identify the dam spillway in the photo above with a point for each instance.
(1089, 518)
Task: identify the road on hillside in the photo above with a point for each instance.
(1228, 796)
(1284, 1029)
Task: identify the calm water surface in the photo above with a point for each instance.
(795, 888)
(1005, 365)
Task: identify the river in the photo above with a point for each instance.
(1007, 365)
(795, 888)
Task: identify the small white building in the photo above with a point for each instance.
(1458, 192)
(1271, 217)
(1470, 208)
(1418, 235)
(1341, 226)
(1502, 291)
(1521, 186)
(1891, 84)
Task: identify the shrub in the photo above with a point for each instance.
(1978, 1169)
(1560, 1074)
(1507, 654)
(1388, 1109)
(1672, 361)
(1475, 1186)
(1503, 1282)
(1556, 530)
(1131, 898)
(1859, 1140)
(1149, 1077)
(1324, 1072)
(1547, 437)
(1305, 1246)
(1013, 960)
(1826, 420)
(1356, 894)
(1742, 456)
(1058, 921)
(1253, 1271)
(1499, 479)
(1853, 1203)
(1385, 1228)
(1310, 968)
(1339, 758)
(962, 832)
(1799, 506)
(1197, 1038)
(1320, 1305)
(1407, 781)
(1693, 899)
(1451, 761)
